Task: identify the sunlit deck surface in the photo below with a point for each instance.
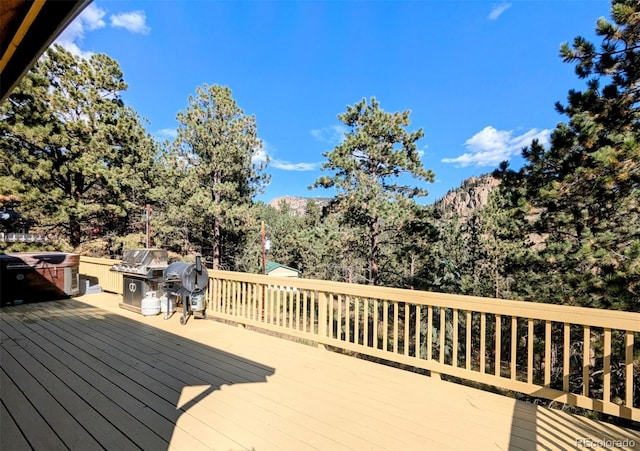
(84, 374)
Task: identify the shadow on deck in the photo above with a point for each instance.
(78, 377)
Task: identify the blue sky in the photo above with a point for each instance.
(479, 77)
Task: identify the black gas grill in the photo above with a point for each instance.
(186, 283)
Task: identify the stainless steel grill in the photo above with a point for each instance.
(143, 272)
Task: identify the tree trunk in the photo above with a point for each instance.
(217, 234)
(412, 269)
(374, 263)
(75, 234)
(216, 244)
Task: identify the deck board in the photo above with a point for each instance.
(87, 405)
(141, 409)
(83, 374)
(11, 436)
(40, 435)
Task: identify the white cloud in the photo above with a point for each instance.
(422, 151)
(265, 152)
(92, 17)
(333, 134)
(134, 21)
(498, 10)
(89, 19)
(489, 147)
(260, 156)
(287, 166)
(167, 133)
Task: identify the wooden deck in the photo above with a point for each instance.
(84, 374)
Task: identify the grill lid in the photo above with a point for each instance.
(143, 261)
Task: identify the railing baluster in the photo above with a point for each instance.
(375, 323)
(304, 308)
(454, 323)
(347, 318)
(385, 325)
(586, 360)
(247, 299)
(407, 326)
(238, 296)
(566, 353)
(547, 353)
(395, 327)
(443, 333)
(215, 301)
(530, 351)
(514, 347)
(339, 320)
(483, 341)
(606, 366)
(332, 317)
(628, 364)
(272, 304)
(263, 303)
(498, 345)
(467, 324)
(244, 300)
(290, 295)
(418, 345)
(365, 323)
(225, 308)
(429, 332)
(220, 300)
(279, 305)
(314, 303)
(298, 309)
(323, 299)
(356, 321)
(234, 297)
(284, 293)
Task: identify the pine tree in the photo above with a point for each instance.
(80, 157)
(586, 185)
(218, 175)
(365, 168)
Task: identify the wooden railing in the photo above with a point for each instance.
(588, 358)
(100, 268)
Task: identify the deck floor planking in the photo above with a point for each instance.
(87, 372)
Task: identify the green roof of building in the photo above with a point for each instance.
(272, 266)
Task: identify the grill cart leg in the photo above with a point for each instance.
(185, 311)
(168, 312)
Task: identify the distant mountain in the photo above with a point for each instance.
(472, 195)
(299, 204)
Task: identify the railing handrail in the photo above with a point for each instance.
(99, 260)
(593, 317)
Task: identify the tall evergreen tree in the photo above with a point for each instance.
(365, 170)
(219, 175)
(586, 185)
(77, 154)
